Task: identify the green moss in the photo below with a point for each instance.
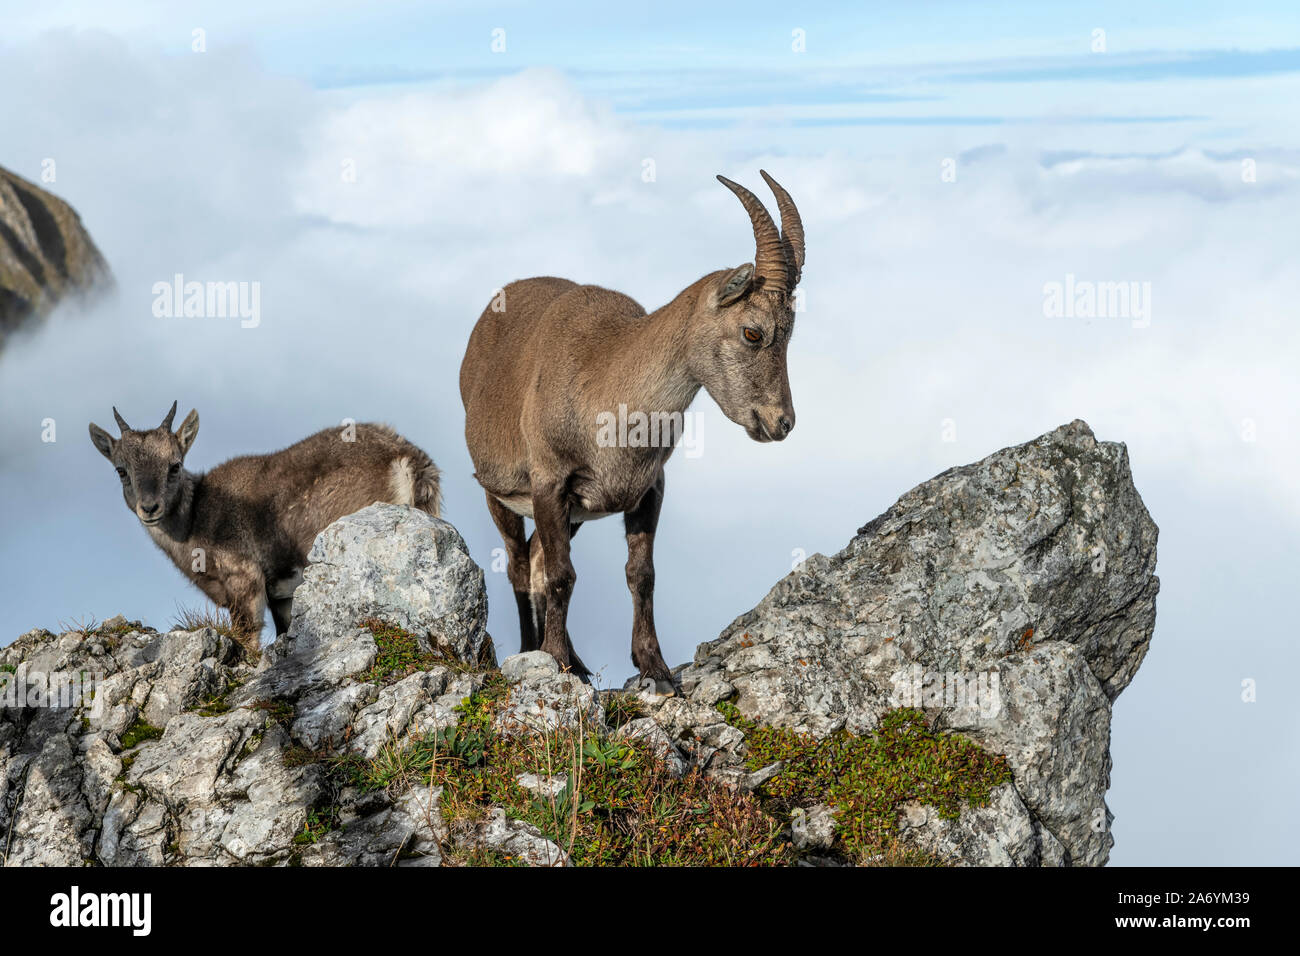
(866, 779)
(399, 653)
(8, 668)
(138, 733)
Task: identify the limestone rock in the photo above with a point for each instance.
(1012, 600)
(512, 838)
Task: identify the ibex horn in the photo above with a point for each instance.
(121, 422)
(770, 261)
(791, 225)
(167, 422)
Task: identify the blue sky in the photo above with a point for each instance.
(924, 296)
(708, 54)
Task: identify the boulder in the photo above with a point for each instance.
(1012, 600)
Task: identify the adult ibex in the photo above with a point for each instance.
(242, 531)
(549, 361)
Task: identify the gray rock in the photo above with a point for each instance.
(1001, 834)
(413, 707)
(542, 702)
(512, 838)
(404, 567)
(542, 786)
(647, 731)
(931, 605)
(813, 828)
(528, 665)
(325, 714)
(410, 832)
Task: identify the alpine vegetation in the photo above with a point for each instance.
(550, 361)
(242, 531)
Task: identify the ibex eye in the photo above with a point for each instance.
(753, 335)
(176, 467)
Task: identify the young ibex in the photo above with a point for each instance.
(242, 531)
(541, 374)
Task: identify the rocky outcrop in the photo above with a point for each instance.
(46, 253)
(1012, 599)
(1009, 601)
(185, 755)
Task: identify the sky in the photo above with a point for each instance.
(950, 162)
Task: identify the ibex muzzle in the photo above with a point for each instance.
(542, 372)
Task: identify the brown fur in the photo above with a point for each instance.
(242, 531)
(538, 373)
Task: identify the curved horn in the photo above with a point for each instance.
(769, 258)
(167, 422)
(791, 225)
(121, 422)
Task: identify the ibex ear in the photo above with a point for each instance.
(737, 284)
(188, 430)
(103, 441)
